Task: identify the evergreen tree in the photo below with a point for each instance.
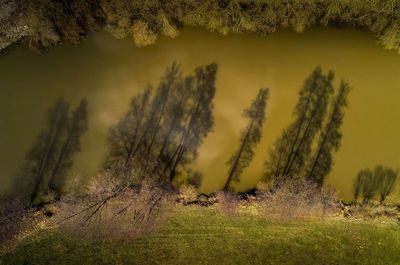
(330, 138)
(292, 149)
(250, 137)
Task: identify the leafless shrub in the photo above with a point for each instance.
(372, 212)
(10, 215)
(228, 202)
(296, 198)
(329, 201)
(118, 213)
(17, 220)
(187, 195)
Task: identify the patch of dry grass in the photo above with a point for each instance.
(296, 198)
(43, 23)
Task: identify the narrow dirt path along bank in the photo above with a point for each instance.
(43, 23)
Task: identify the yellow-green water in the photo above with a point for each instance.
(109, 72)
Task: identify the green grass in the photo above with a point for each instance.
(195, 235)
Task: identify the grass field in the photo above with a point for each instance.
(203, 235)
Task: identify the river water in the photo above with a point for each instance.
(109, 72)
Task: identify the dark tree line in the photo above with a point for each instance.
(164, 127)
(160, 134)
(47, 162)
(370, 183)
(330, 138)
(292, 153)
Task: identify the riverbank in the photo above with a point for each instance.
(203, 235)
(41, 24)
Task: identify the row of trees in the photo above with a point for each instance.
(158, 136)
(161, 132)
(46, 164)
(319, 112)
(370, 183)
(293, 153)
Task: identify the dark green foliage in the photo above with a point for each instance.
(291, 151)
(380, 181)
(162, 131)
(250, 137)
(50, 157)
(330, 138)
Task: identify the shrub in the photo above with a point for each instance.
(47, 22)
(17, 220)
(228, 202)
(296, 198)
(118, 214)
(372, 212)
(187, 195)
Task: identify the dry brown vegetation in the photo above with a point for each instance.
(228, 202)
(372, 212)
(296, 198)
(42, 23)
(110, 211)
(11, 219)
(18, 221)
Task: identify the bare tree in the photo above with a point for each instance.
(195, 179)
(198, 120)
(370, 183)
(162, 131)
(76, 127)
(51, 155)
(125, 139)
(250, 137)
(111, 210)
(41, 158)
(358, 185)
(387, 178)
(330, 138)
(292, 149)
